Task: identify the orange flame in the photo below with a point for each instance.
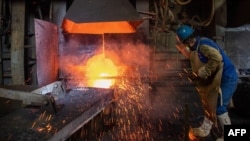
(192, 137)
(98, 70)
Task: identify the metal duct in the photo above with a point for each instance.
(101, 16)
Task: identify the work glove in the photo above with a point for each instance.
(202, 73)
(193, 76)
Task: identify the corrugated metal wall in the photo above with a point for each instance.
(237, 46)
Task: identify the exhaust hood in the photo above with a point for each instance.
(101, 16)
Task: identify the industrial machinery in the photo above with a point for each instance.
(56, 55)
(51, 112)
(61, 98)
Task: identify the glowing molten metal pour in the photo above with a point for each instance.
(97, 67)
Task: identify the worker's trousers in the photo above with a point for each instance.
(228, 88)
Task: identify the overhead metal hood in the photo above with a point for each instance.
(101, 16)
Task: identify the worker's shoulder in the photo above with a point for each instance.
(206, 42)
(206, 49)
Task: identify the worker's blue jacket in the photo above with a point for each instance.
(229, 70)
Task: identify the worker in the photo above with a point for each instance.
(217, 78)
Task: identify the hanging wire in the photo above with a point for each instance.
(205, 22)
(181, 2)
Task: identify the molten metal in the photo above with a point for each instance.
(98, 66)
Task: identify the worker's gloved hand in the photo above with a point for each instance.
(193, 76)
(202, 73)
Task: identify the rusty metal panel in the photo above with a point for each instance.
(17, 42)
(237, 46)
(46, 51)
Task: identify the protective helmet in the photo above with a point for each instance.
(184, 31)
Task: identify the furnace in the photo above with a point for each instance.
(99, 17)
(75, 71)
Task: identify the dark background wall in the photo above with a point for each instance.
(238, 12)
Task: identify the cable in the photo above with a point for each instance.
(183, 2)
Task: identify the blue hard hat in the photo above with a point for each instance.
(184, 31)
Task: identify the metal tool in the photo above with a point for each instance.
(44, 97)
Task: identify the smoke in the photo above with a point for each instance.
(123, 50)
(128, 51)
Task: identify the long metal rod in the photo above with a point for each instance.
(27, 98)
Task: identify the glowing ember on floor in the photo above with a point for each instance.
(97, 67)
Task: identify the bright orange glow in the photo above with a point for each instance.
(100, 27)
(191, 136)
(99, 72)
(104, 83)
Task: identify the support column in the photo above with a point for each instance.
(1, 62)
(17, 41)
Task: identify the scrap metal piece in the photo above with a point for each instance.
(51, 107)
(56, 89)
